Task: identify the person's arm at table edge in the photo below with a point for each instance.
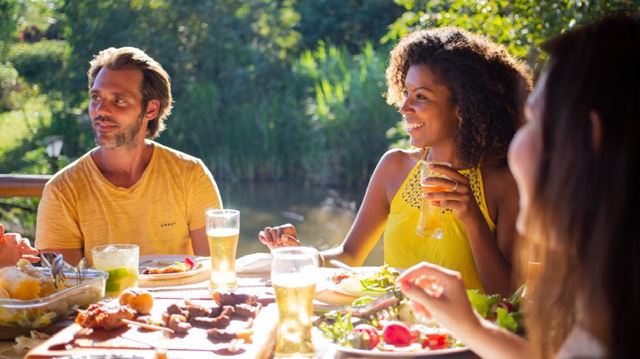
(490, 341)
(371, 218)
(199, 242)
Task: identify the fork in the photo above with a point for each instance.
(56, 266)
(387, 300)
(80, 268)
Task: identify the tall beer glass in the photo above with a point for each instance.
(293, 275)
(223, 230)
(430, 220)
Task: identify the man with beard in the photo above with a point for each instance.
(128, 189)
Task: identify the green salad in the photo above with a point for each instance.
(383, 280)
(505, 312)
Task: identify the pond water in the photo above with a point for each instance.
(322, 216)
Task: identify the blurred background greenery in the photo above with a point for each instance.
(287, 91)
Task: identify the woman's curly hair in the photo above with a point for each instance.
(487, 84)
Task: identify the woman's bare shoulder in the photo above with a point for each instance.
(499, 182)
(400, 157)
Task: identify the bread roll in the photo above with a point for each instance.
(138, 299)
(18, 284)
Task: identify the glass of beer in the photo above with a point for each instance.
(293, 276)
(430, 220)
(223, 231)
(121, 262)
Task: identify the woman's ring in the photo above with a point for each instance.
(455, 187)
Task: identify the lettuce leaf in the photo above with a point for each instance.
(482, 303)
(507, 320)
(489, 308)
(383, 280)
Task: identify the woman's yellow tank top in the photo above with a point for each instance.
(404, 248)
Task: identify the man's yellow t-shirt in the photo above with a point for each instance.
(80, 208)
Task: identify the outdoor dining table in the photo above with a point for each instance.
(258, 283)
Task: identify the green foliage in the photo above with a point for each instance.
(21, 124)
(348, 108)
(350, 23)
(39, 62)
(9, 15)
(19, 215)
(521, 25)
(10, 87)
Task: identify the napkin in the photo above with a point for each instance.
(254, 263)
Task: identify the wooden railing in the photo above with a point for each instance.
(20, 185)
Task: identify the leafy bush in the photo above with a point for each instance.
(350, 23)
(520, 25)
(9, 88)
(347, 103)
(39, 62)
(9, 17)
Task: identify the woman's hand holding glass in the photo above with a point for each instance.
(439, 293)
(459, 198)
(280, 236)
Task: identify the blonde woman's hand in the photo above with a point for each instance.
(281, 236)
(14, 247)
(439, 293)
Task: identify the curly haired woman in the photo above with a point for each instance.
(576, 165)
(461, 98)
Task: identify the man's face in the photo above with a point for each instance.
(115, 108)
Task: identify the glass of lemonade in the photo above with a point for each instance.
(293, 276)
(430, 220)
(223, 231)
(121, 262)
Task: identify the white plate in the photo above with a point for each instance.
(321, 342)
(348, 286)
(399, 354)
(166, 260)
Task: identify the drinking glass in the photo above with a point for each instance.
(293, 276)
(430, 220)
(121, 262)
(223, 231)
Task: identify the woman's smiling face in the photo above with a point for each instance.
(430, 117)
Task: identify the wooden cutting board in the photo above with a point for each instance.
(136, 342)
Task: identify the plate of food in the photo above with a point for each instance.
(167, 267)
(390, 330)
(342, 287)
(380, 327)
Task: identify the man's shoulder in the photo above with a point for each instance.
(177, 158)
(73, 172)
